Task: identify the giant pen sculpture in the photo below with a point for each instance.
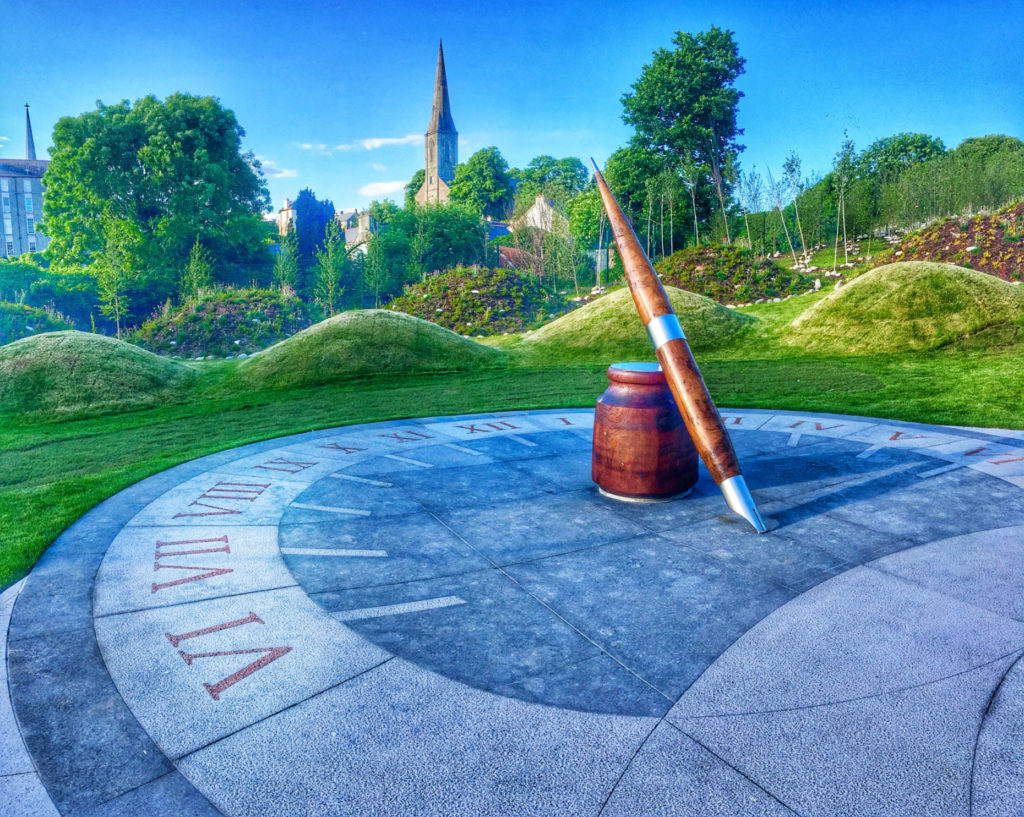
(684, 380)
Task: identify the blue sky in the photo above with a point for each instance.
(335, 96)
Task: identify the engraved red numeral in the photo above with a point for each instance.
(484, 428)
(348, 449)
(239, 491)
(565, 421)
(281, 464)
(210, 571)
(902, 435)
(410, 436)
(267, 654)
(817, 425)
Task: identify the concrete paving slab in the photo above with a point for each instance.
(862, 633)
(985, 569)
(673, 775)
(14, 757)
(463, 641)
(998, 782)
(86, 745)
(519, 530)
(649, 602)
(906, 752)
(23, 795)
(170, 794)
(418, 744)
(160, 567)
(593, 613)
(227, 662)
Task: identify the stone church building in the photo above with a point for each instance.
(442, 142)
(21, 200)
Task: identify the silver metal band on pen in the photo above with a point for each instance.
(664, 328)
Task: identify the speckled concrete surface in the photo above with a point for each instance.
(442, 616)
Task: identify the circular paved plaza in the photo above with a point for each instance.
(443, 616)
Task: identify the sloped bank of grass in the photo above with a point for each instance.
(69, 372)
(362, 343)
(912, 306)
(608, 329)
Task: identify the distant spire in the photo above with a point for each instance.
(441, 115)
(30, 145)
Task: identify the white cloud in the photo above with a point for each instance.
(375, 142)
(378, 167)
(382, 188)
(5, 138)
(272, 171)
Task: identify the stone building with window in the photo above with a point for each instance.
(21, 200)
(442, 142)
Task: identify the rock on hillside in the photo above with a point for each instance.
(913, 306)
(730, 275)
(992, 243)
(359, 343)
(75, 372)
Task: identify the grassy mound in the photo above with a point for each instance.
(363, 342)
(227, 322)
(20, 321)
(730, 275)
(610, 328)
(480, 301)
(913, 306)
(73, 372)
(988, 243)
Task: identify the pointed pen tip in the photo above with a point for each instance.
(738, 498)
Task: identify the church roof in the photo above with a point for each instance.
(441, 115)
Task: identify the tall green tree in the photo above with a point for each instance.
(332, 262)
(198, 272)
(483, 183)
(558, 179)
(311, 219)
(286, 263)
(413, 187)
(685, 102)
(175, 171)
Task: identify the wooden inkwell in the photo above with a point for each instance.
(642, 451)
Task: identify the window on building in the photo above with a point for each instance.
(28, 204)
(10, 248)
(26, 185)
(7, 203)
(30, 222)
(5, 185)
(31, 243)
(8, 226)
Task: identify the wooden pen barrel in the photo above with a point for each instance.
(642, 451)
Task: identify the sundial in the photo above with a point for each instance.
(444, 616)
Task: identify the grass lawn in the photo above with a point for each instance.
(52, 471)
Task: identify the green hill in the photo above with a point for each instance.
(71, 372)
(363, 342)
(610, 329)
(912, 306)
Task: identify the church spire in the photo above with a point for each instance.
(441, 116)
(30, 145)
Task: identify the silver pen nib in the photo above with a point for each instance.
(738, 497)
